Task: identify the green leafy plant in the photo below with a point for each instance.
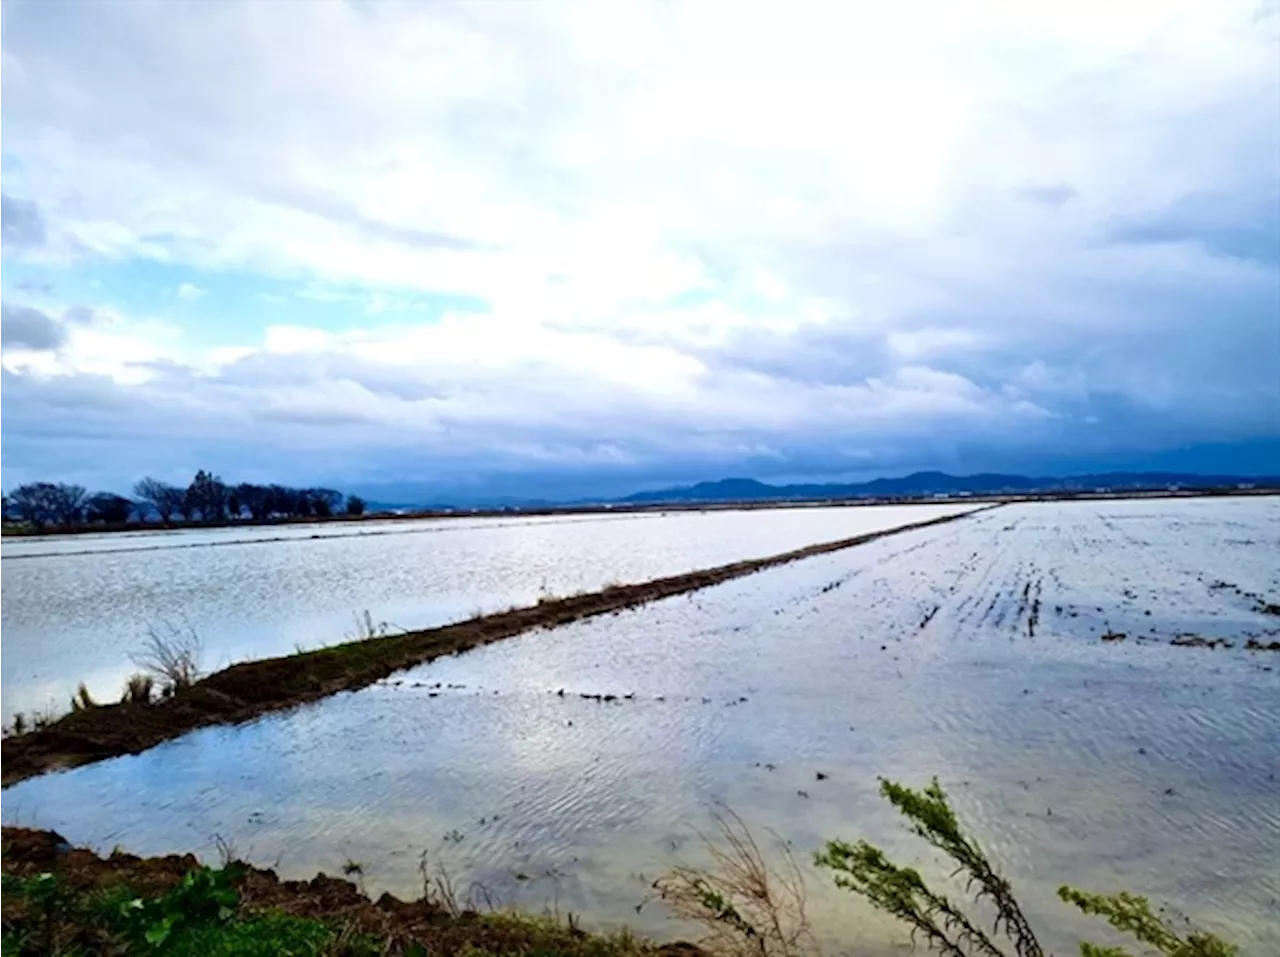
(204, 896)
(1132, 914)
(44, 895)
(902, 892)
(947, 928)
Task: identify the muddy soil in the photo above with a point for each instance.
(400, 924)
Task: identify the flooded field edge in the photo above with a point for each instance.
(249, 689)
(323, 910)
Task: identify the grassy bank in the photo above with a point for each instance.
(67, 901)
(253, 688)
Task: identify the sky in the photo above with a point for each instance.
(554, 249)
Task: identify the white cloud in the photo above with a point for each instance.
(700, 229)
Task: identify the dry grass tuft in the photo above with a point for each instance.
(172, 654)
(367, 629)
(82, 700)
(138, 689)
(747, 905)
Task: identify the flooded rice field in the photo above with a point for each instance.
(75, 607)
(569, 767)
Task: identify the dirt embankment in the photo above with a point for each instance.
(252, 688)
(399, 927)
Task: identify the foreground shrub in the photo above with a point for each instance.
(946, 927)
(1132, 914)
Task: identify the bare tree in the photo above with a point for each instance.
(68, 502)
(207, 495)
(109, 508)
(323, 502)
(166, 499)
(33, 502)
(42, 503)
(255, 499)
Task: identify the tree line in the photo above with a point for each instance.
(207, 499)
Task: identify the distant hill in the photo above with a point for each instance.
(940, 483)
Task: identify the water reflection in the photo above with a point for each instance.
(75, 606)
(1109, 765)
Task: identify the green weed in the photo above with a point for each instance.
(946, 927)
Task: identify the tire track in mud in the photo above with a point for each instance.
(954, 601)
(969, 606)
(809, 601)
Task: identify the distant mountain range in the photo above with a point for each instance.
(940, 483)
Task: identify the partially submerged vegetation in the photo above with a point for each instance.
(247, 690)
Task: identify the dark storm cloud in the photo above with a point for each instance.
(21, 223)
(1002, 262)
(1237, 227)
(25, 327)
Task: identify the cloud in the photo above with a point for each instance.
(79, 315)
(699, 238)
(23, 225)
(34, 286)
(1056, 196)
(25, 327)
(1221, 223)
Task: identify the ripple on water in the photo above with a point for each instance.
(1120, 765)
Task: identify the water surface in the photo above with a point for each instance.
(971, 650)
(75, 607)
